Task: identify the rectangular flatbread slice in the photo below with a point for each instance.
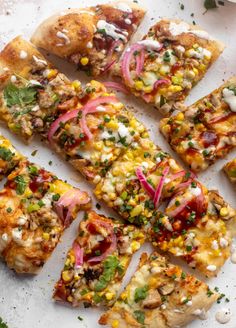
(35, 208)
(139, 181)
(92, 136)
(31, 89)
(9, 157)
(205, 132)
(164, 66)
(230, 170)
(197, 226)
(97, 262)
(92, 38)
(160, 294)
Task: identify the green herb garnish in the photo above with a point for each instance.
(140, 293)
(139, 316)
(20, 184)
(6, 154)
(19, 96)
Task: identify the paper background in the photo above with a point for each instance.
(25, 302)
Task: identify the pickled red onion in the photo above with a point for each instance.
(79, 255)
(116, 86)
(125, 65)
(112, 247)
(160, 186)
(140, 62)
(150, 190)
(90, 107)
(160, 82)
(70, 200)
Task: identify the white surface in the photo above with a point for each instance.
(25, 302)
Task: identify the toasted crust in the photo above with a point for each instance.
(230, 170)
(80, 37)
(156, 274)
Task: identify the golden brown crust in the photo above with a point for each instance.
(74, 35)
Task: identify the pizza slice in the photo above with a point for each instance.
(139, 181)
(92, 136)
(230, 170)
(31, 89)
(35, 208)
(93, 38)
(160, 294)
(205, 131)
(9, 157)
(197, 226)
(97, 262)
(164, 66)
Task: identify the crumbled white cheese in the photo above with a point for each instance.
(195, 191)
(22, 220)
(214, 245)
(89, 45)
(5, 237)
(230, 98)
(16, 234)
(128, 21)
(13, 78)
(223, 242)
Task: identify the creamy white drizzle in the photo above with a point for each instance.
(201, 313)
(63, 36)
(13, 78)
(128, 21)
(182, 27)
(111, 30)
(233, 255)
(123, 7)
(39, 61)
(230, 98)
(223, 315)
(87, 12)
(23, 54)
(151, 44)
(89, 45)
(211, 267)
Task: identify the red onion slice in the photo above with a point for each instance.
(116, 86)
(160, 186)
(79, 255)
(142, 179)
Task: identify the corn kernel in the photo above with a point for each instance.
(148, 89)
(51, 73)
(115, 324)
(118, 105)
(84, 61)
(76, 85)
(175, 88)
(109, 296)
(133, 123)
(112, 125)
(98, 145)
(195, 70)
(224, 211)
(136, 211)
(70, 299)
(46, 236)
(123, 296)
(138, 85)
(180, 116)
(152, 282)
(76, 278)
(135, 245)
(66, 276)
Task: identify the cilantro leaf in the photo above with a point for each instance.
(139, 316)
(210, 4)
(6, 154)
(3, 324)
(20, 96)
(111, 264)
(140, 293)
(20, 184)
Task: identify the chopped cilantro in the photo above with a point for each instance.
(19, 96)
(20, 184)
(34, 152)
(55, 197)
(139, 316)
(9, 210)
(3, 324)
(140, 293)
(210, 4)
(6, 154)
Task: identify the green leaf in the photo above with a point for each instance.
(19, 96)
(139, 316)
(6, 154)
(111, 264)
(210, 4)
(20, 184)
(140, 293)
(3, 324)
